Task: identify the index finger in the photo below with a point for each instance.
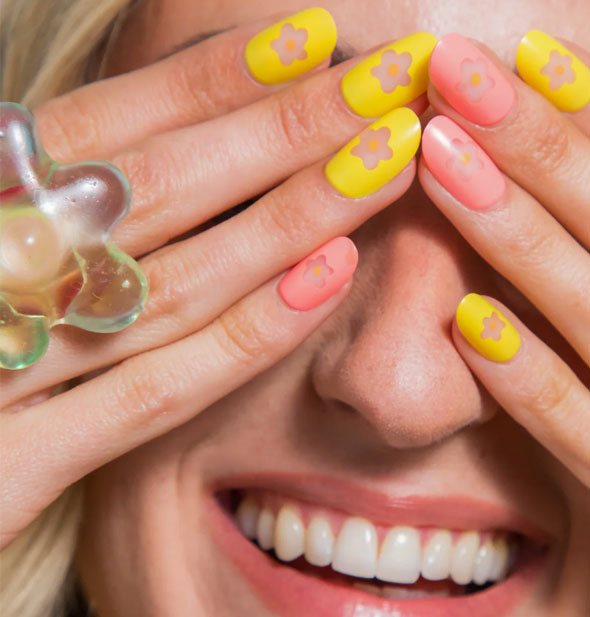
(212, 78)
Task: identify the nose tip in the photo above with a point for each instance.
(396, 366)
(407, 393)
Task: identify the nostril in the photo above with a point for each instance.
(369, 427)
(412, 402)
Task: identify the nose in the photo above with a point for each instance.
(388, 369)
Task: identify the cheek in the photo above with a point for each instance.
(121, 529)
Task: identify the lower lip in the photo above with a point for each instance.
(291, 593)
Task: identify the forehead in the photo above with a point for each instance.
(156, 27)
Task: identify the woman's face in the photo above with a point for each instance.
(375, 416)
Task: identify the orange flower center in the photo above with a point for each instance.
(290, 44)
(465, 158)
(393, 69)
(493, 325)
(475, 79)
(317, 270)
(560, 69)
(374, 145)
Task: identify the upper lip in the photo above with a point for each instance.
(456, 512)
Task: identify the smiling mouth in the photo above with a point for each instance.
(391, 562)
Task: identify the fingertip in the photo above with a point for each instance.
(319, 276)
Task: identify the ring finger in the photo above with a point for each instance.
(206, 80)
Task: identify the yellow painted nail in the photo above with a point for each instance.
(486, 329)
(292, 46)
(391, 77)
(377, 155)
(554, 71)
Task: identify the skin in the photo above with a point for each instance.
(383, 394)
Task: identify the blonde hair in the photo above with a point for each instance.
(48, 47)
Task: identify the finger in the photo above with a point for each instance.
(527, 137)
(210, 79)
(527, 379)
(509, 229)
(152, 393)
(559, 71)
(193, 281)
(180, 179)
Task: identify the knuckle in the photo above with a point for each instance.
(144, 392)
(191, 98)
(283, 222)
(242, 338)
(153, 173)
(531, 246)
(144, 172)
(172, 281)
(286, 218)
(550, 394)
(296, 121)
(69, 126)
(551, 147)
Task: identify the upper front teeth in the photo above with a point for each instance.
(401, 558)
(319, 542)
(289, 536)
(355, 552)
(436, 558)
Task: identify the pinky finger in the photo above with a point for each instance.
(152, 393)
(529, 380)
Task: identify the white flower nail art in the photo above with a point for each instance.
(393, 70)
(559, 70)
(464, 160)
(317, 270)
(290, 45)
(492, 327)
(475, 81)
(373, 147)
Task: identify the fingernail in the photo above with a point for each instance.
(377, 155)
(486, 329)
(292, 46)
(319, 276)
(554, 71)
(471, 83)
(391, 77)
(460, 165)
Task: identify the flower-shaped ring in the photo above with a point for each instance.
(57, 263)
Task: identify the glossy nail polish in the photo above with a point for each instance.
(377, 155)
(319, 276)
(460, 165)
(292, 46)
(469, 81)
(486, 329)
(391, 77)
(554, 71)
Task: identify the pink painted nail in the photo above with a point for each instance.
(460, 165)
(469, 81)
(319, 276)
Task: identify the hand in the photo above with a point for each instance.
(512, 173)
(196, 135)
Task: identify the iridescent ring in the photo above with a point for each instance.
(57, 263)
